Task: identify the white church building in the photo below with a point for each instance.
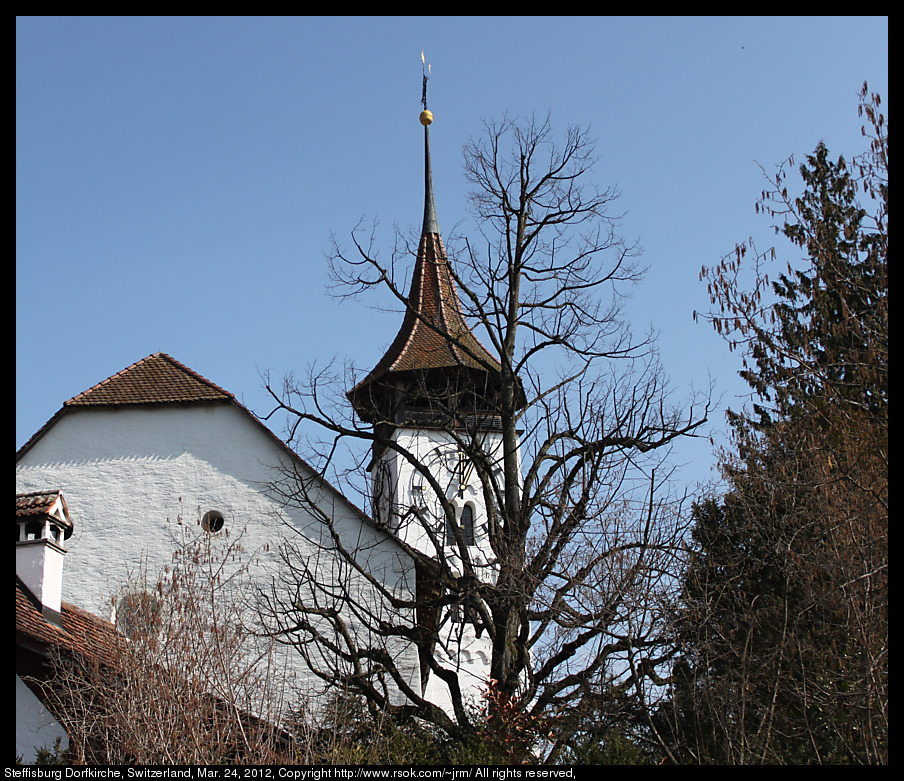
(157, 444)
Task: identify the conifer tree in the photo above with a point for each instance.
(785, 619)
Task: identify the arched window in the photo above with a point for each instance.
(467, 524)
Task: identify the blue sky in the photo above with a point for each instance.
(178, 179)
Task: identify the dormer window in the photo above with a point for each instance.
(30, 531)
(40, 530)
(42, 515)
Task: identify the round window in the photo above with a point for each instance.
(212, 521)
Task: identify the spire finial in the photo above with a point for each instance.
(430, 223)
(425, 69)
(426, 114)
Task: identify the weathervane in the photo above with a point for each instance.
(426, 115)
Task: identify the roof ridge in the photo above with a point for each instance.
(27, 501)
(23, 494)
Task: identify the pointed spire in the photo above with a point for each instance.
(435, 349)
(434, 336)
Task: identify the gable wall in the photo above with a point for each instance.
(123, 472)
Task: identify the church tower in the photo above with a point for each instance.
(433, 393)
(436, 467)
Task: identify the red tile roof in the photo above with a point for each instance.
(434, 334)
(40, 504)
(435, 346)
(157, 379)
(80, 632)
(84, 636)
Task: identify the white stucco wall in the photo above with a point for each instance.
(129, 473)
(35, 727)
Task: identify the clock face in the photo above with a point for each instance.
(421, 495)
(443, 463)
(440, 463)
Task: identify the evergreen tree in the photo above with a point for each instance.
(785, 619)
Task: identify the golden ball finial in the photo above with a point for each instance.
(426, 117)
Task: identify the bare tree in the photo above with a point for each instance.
(557, 430)
(183, 681)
